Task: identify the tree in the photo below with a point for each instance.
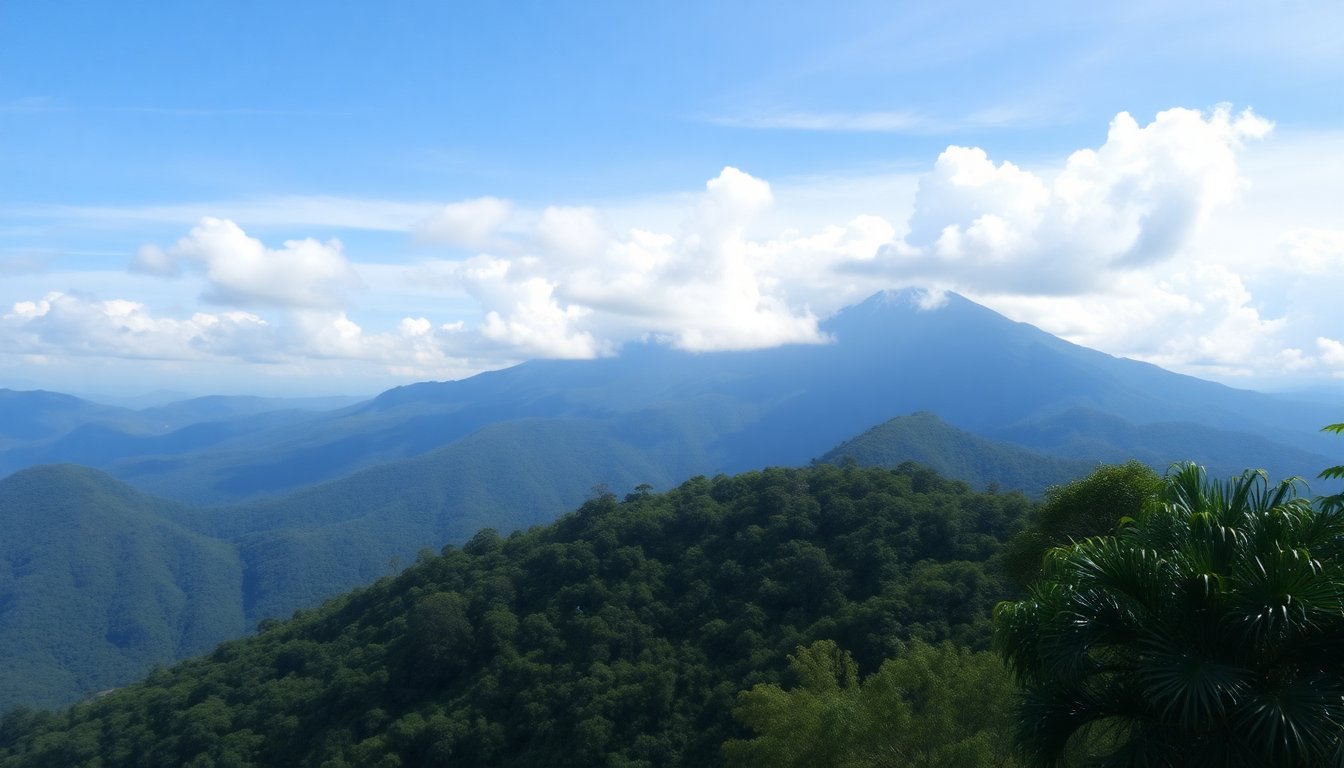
(1209, 631)
(933, 706)
(1089, 506)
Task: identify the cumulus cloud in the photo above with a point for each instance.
(1332, 352)
(1108, 247)
(522, 312)
(1133, 202)
(241, 271)
(1106, 217)
(580, 289)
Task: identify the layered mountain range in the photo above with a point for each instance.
(260, 507)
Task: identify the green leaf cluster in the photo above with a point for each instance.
(1208, 631)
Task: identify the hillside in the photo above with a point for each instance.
(27, 417)
(618, 635)
(928, 440)
(332, 500)
(98, 584)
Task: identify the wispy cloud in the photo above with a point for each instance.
(226, 111)
(875, 122)
(290, 210)
(31, 105)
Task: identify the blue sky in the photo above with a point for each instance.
(341, 197)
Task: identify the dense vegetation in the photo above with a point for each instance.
(1208, 630)
(97, 583)
(620, 635)
(319, 503)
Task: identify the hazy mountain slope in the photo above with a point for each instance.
(1086, 432)
(221, 407)
(955, 453)
(781, 406)
(97, 584)
(38, 415)
(49, 428)
(981, 371)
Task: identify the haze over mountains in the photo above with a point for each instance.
(262, 507)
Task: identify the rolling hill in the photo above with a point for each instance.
(98, 584)
(929, 441)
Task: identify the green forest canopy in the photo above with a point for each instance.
(619, 636)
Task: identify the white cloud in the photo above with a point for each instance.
(707, 286)
(571, 232)
(1201, 319)
(1332, 352)
(890, 121)
(241, 271)
(323, 211)
(1135, 201)
(71, 325)
(61, 325)
(1311, 251)
(470, 223)
(1148, 246)
(579, 290)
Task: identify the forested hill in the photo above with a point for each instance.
(617, 636)
(924, 438)
(98, 582)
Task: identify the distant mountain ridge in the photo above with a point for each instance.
(735, 410)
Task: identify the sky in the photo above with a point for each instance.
(316, 198)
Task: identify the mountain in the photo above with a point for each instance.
(27, 417)
(619, 635)
(1087, 432)
(293, 506)
(50, 428)
(738, 410)
(928, 440)
(98, 583)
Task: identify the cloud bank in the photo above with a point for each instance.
(1106, 247)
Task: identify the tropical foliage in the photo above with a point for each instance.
(1335, 472)
(1208, 631)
